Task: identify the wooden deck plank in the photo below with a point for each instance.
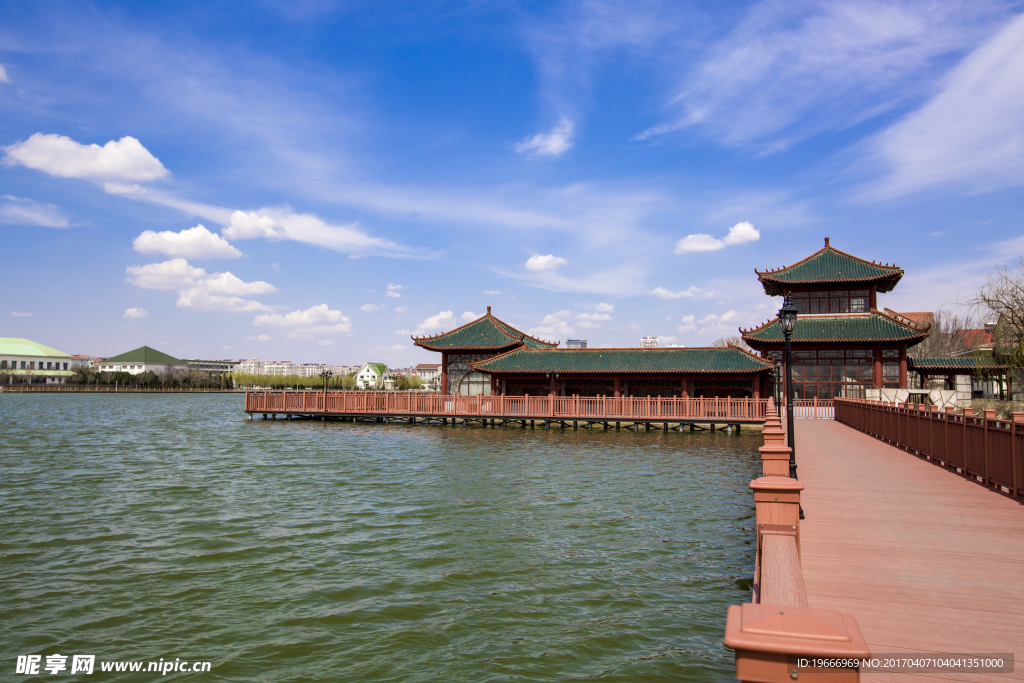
(924, 559)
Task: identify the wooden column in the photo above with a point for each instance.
(877, 374)
(903, 367)
(685, 389)
(444, 373)
(618, 388)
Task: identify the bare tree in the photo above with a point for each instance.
(945, 337)
(735, 340)
(1002, 300)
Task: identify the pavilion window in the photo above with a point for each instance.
(836, 301)
(827, 374)
(890, 369)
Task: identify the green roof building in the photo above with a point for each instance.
(23, 361)
(142, 359)
(488, 356)
(843, 345)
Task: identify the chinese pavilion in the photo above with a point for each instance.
(488, 356)
(479, 340)
(842, 344)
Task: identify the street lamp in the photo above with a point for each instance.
(777, 375)
(787, 321)
(326, 377)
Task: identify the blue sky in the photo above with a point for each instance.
(595, 170)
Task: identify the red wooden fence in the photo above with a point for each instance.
(512, 407)
(978, 446)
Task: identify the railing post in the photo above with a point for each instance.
(777, 502)
(989, 416)
(968, 413)
(1015, 454)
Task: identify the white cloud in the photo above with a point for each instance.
(972, 132)
(247, 226)
(195, 243)
(712, 319)
(538, 263)
(316, 320)
(4, 78)
(830, 65)
(441, 321)
(593, 317)
(326, 342)
(369, 308)
(468, 316)
(262, 338)
(198, 289)
(61, 156)
(136, 313)
(553, 144)
(20, 211)
(605, 308)
(741, 233)
(16, 314)
(123, 188)
(397, 347)
(276, 267)
(401, 309)
(554, 325)
(688, 325)
(691, 293)
(174, 274)
(393, 294)
(492, 292)
(394, 286)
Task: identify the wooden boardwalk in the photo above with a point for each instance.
(925, 560)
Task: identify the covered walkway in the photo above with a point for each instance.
(925, 560)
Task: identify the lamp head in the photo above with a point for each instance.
(787, 316)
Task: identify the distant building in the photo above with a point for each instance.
(346, 370)
(430, 375)
(375, 376)
(23, 361)
(575, 343)
(214, 367)
(81, 360)
(140, 360)
(648, 343)
(253, 366)
(279, 368)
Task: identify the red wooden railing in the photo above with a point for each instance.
(810, 409)
(777, 628)
(514, 407)
(978, 446)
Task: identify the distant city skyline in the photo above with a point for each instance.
(319, 183)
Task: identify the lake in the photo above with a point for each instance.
(141, 527)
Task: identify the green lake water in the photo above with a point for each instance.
(140, 527)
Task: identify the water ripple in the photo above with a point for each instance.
(139, 527)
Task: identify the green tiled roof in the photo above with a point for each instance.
(484, 333)
(16, 346)
(683, 360)
(144, 354)
(870, 327)
(830, 266)
(380, 369)
(960, 363)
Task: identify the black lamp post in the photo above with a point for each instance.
(787, 321)
(778, 381)
(326, 377)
